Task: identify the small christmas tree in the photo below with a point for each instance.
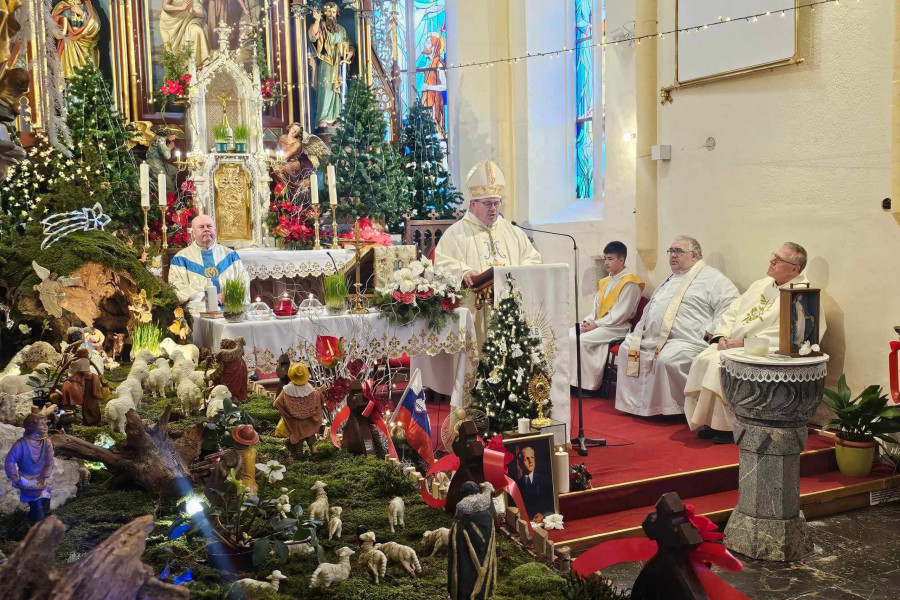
(367, 165)
(511, 358)
(423, 162)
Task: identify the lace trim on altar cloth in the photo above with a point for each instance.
(774, 373)
(278, 269)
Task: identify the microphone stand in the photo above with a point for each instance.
(581, 441)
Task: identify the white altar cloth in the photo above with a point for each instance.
(364, 335)
(270, 263)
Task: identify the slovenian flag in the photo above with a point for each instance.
(412, 416)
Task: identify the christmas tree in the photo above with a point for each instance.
(423, 162)
(370, 181)
(512, 361)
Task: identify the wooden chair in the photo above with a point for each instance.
(426, 233)
(611, 370)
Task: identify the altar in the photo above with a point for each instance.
(368, 336)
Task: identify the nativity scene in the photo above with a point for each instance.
(430, 299)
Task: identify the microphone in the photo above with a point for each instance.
(574, 243)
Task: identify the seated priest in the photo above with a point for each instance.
(655, 358)
(614, 306)
(204, 263)
(756, 313)
(483, 239)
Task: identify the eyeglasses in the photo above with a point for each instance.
(675, 251)
(778, 260)
(490, 204)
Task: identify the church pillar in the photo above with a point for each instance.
(895, 121)
(646, 105)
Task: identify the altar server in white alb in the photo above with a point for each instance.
(202, 263)
(614, 306)
(483, 238)
(755, 314)
(655, 358)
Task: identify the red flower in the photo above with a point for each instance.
(280, 188)
(355, 367)
(337, 392)
(425, 295)
(405, 298)
(329, 350)
(188, 187)
(449, 305)
(172, 88)
(185, 79)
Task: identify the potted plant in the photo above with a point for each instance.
(233, 300)
(241, 137)
(220, 134)
(859, 421)
(336, 290)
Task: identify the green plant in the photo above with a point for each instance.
(336, 290)
(146, 337)
(220, 134)
(389, 480)
(863, 418)
(233, 295)
(218, 431)
(241, 133)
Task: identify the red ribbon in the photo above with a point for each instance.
(371, 411)
(892, 368)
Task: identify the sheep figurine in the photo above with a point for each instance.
(334, 523)
(198, 377)
(272, 582)
(404, 555)
(142, 358)
(189, 351)
(369, 557)
(158, 380)
(395, 513)
(216, 401)
(139, 372)
(438, 539)
(319, 508)
(117, 408)
(300, 548)
(190, 397)
(328, 573)
(133, 387)
(181, 367)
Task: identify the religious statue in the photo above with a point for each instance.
(29, 466)
(333, 52)
(357, 437)
(79, 35)
(160, 153)
(472, 553)
(9, 26)
(180, 326)
(50, 289)
(435, 86)
(300, 405)
(83, 388)
(225, 11)
(234, 369)
(140, 309)
(245, 438)
(302, 153)
(184, 22)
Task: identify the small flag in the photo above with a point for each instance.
(412, 415)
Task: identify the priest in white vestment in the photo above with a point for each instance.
(655, 358)
(614, 306)
(204, 263)
(755, 314)
(482, 239)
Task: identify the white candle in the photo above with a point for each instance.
(524, 425)
(561, 472)
(145, 185)
(161, 188)
(314, 188)
(212, 302)
(332, 186)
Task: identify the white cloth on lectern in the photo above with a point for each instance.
(755, 314)
(659, 387)
(614, 325)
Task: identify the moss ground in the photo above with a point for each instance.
(362, 486)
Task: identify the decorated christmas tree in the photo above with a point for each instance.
(423, 162)
(513, 368)
(370, 181)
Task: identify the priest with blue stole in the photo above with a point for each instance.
(204, 263)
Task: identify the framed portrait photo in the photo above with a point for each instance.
(532, 470)
(799, 320)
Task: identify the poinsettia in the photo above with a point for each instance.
(404, 297)
(172, 88)
(280, 188)
(188, 186)
(449, 304)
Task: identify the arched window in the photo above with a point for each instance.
(585, 122)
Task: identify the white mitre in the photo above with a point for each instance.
(485, 180)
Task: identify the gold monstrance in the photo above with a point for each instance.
(539, 391)
(357, 299)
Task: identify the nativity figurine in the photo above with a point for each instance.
(82, 388)
(234, 369)
(357, 436)
(300, 405)
(29, 466)
(472, 554)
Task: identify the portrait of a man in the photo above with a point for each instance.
(534, 477)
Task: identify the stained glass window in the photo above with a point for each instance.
(584, 99)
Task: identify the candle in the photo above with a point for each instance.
(314, 188)
(524, 425)
(145, 185)
(212, 302)
(177, 155)
(561, 472)
(332, 186)
(161, 188)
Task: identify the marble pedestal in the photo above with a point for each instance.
(772, 402)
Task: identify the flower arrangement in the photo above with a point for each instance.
(579, 478)
(177, 79)
(180, 210)
(418, 291)
(271, 91)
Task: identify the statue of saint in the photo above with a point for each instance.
(302, 153)
(184, 22)
(333, 51)
(160, 153)
(79, 35)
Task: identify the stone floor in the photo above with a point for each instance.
(857, 555)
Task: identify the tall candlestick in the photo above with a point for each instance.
(332, 186)
(146, 229)
(145, 184)
(314, 189)
(161, 189)
(357, 301)
(316, 213)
